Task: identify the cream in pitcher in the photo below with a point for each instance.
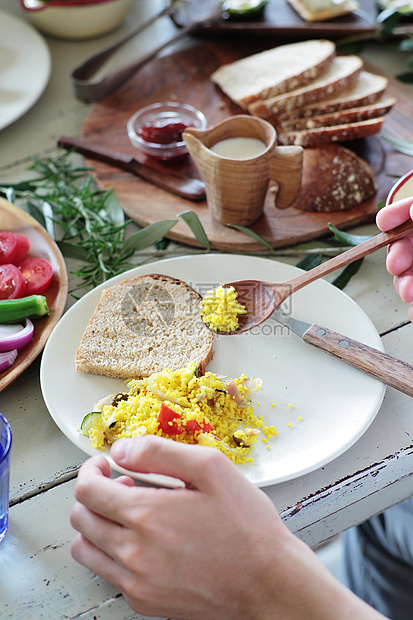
(236, 159)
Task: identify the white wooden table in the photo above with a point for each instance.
(38, 578)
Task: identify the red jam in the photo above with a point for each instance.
(163, 131)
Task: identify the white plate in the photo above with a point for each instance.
(25, 66)
(336, 403)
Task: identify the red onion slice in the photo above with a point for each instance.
(15, 336)
(7, 359)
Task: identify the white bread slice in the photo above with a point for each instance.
(343, 180)
(337, 133)
(274, 71)
(145, 325)
(367, 89)
(321, 10)
(342, 72)
(353, 115)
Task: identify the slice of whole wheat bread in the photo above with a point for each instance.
(145, 325)
(274, 71)
(352, 115)
(337, 133)
(367, 89)
(342, 72)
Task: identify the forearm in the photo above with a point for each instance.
(304, 590)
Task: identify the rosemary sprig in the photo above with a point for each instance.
(87, 223)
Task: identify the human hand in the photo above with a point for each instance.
(181, 552)
(399, 260)
(214, 548)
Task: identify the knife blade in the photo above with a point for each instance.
(383, 367)
(183, 186)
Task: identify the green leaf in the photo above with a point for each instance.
(36, 213)
(19, 187)
(253, 235)
(69, 250)
(389, 19)
(192, 220)
(47, 211)
(347, 273)
(406, 45)
(348, 238)
(162, 244)
(406, 77)
(403, 146)
(113, 209)
(310, 261)
(149, 235)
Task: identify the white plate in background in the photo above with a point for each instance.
(25, 67)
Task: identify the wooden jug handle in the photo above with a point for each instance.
(286, 169)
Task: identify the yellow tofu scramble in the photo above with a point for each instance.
(220, 309)
(209, 410)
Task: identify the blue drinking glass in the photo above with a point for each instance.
(5, 445)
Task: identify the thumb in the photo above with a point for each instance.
(196, 466)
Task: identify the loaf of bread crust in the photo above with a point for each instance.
(337, 133)
(352, 115)
(342, 72)
(145, 325)
(367, 89)
(274, 71)
(343, 180)
(321, 10)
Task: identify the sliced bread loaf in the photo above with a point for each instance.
(352, 115)
(274, 71)
(145, 325)
(337, 133)
(320, 10)
(367, 89)
(343, 180)
(342, 72)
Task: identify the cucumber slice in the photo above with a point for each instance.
(90, 421)
(241, 8)
(404, 7)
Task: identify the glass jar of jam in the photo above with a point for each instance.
(156, 130)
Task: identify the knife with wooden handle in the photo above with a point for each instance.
(383, 367)
(183, 186)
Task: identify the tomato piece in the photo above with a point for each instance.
(168, 420)
(37, 274)
(12, 284)
(23, 245)
(8, 247)
(192, 426)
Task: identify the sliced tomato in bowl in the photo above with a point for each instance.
(23, 246)
(8, 247)
(12, 284)
(37, 274)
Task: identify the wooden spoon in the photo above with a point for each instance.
(261, 298)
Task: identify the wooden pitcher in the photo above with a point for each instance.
(236, 188)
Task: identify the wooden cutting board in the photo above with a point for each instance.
(185, 77)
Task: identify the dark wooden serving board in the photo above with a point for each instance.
(185, 77)
(279, 19)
